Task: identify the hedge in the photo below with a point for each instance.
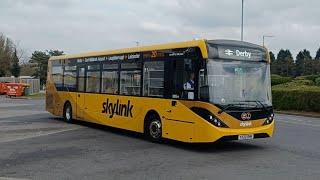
(317, 81)
(304, 99)
(276, 79)
(309, 77)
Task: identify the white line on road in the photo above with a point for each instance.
(19, 113)
(39, 135)
(5, 105)
(299, 123)
(9, 178)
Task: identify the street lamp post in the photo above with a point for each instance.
(242, 20)
(263, 37)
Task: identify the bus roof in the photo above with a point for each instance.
(194, 43)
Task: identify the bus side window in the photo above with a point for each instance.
(57, 74)
(110, 82)
(130, 78)
(153, 79)
(70, 75)
(110, 78)
(93, 78)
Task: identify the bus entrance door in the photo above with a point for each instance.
(81, 88)
(80, 105)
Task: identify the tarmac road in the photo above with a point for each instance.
(36, 145)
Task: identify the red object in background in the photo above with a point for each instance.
(3, 88)
(15, 89)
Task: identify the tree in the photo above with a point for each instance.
(6, 54)
(304, 63)
(317, 62)
(41, 59)
(10, 56)
(15, 68)
(55, 52)
(284, 65)
(28, 69)
(274, 63)
(272, 57)
(317, 55)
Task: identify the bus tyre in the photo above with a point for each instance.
(153, 128)
(67, 112)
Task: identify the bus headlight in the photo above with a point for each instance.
(269, 120)
(216, 121)
(208, 116)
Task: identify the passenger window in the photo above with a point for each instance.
(70, 80)
(130, 78)
(70, 75)
(130, 82)
(110, 82)
(57, 74)
(153, 79)
(93, 81)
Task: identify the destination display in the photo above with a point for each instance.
(236, 53)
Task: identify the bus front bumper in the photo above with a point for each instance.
(212, 133)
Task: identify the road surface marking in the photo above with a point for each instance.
(4, 105)
(39, 135)
(9, 178)
(299, 123)
(19, 113)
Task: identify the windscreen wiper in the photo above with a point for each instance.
(228, 106)
(262, 105)
(258, 103)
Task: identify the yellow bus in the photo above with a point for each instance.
(196, 91)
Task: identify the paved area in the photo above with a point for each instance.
(37, 145)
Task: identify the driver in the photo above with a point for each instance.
(189, 86)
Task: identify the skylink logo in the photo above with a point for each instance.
(238, 53)
(117, 108)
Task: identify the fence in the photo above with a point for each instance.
(33, 83)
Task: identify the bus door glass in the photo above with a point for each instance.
(183, 79)
(81, 88)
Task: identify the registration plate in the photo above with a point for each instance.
(245, 137)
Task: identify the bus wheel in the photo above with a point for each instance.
(153, 128)
(67, 112)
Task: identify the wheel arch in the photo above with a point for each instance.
(65, 103)
(64, 107)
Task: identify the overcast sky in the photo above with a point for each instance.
(76, 25)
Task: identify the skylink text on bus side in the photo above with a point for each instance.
(117, 108)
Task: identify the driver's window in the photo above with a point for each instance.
(184, 79)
